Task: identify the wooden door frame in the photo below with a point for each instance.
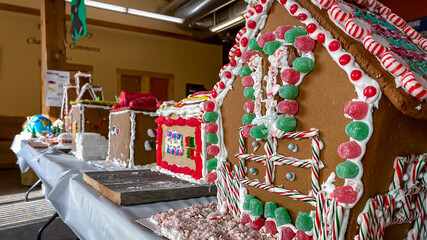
(145, 78)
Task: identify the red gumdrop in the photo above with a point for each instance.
(287, 233)
(290, 76)
(345, 194)
(213, 150)
(301, 236)
(265, 38)
(193, 122)
(356, 109)
(257, 224)
(288, 107)
(209, 106)
(247, 56)
(169, 122)
(304, 43)
(247, 81)
(211, 177)
(249, 107)
(349, 150)
(245, 218)
(270, 227)
(211, 128)
(246, 131)
(180, 121)
(280, 31)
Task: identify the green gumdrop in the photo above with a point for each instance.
(248, 118)
(245, 71)
(286, 124)
(303, 64)
(357, 130)
(288, 91)
(290, 35)
(260, 132)
(211, 164)
(247, 202)
(270, 207)
(282, 216)
(253, 44)
(249, 93)
(255, 208)
(271, 47)
(304, 222)
(210, 116)
(347, 169)
(211, 138)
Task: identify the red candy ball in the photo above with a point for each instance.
(251, 24)
(249, 107)
(213, 150)
(281, 30)
(288, 107)
(345, 194)
(258, 8)
(233, 63)
(247, 56)
(209, 106)
(334, 45)
(283, 1)
(311, 28)
(290, 76)
(214, 94)
(321, 38)
(228, 74)
(370, 91)
(247, 81)
(265, 38)
(293, 9)
(349, 150)
(244, 42)
(211, 128)
(356, 109)
(355, 75)
(238, 52)
(345, 59)
(221, 85)
(302, 16)
(304, 43)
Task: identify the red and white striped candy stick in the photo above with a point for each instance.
(411, 82)
(394, 64)
(412, 33)
(326, 4)
(232, 52)
(396, 20)
(376, 44)
(239, 35)
(357, 28)
(341, 12)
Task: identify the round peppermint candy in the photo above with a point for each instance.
(376, 44)
(384, 11)
(326, 4)
(372, 5)
(412, 33)
(423, 43)
(394, 64)
(341, 12)
(413, 84)
(396, 20)
(357, 28)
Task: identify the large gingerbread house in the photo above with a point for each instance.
(181, 143)
(324, 122)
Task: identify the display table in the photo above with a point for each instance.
(82, 208)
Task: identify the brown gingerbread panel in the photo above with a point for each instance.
(119, 137)
(96, 120)
(143, 123)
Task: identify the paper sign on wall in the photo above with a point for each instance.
(55, 81)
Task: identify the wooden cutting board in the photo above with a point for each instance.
(129, 187)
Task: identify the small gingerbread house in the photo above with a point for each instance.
(324, 122)
(181, 139)
(132, 132)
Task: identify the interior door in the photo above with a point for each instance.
(160, 88)
(130, 83)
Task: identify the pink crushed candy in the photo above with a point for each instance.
(349, 150)
(211, 177)
(257, 224)
(304, 43)
(288, 107)
(213, 150)
(246, 57)
(301, 236)
(246, 131)
(356, 109)
(290, 76)
(287, 233)
(245, 218)
(270, 227)
(265, 38)
(209, 106)
(247, 81)
(211, 128)
(345, 194)
(249, 107)
(280, 31)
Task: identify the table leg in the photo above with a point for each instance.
(42, 228)
(31, 189)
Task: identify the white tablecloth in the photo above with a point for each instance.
(82, 208)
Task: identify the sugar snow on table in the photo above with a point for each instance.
(144, 186)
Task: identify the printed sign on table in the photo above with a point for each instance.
(55, 81)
